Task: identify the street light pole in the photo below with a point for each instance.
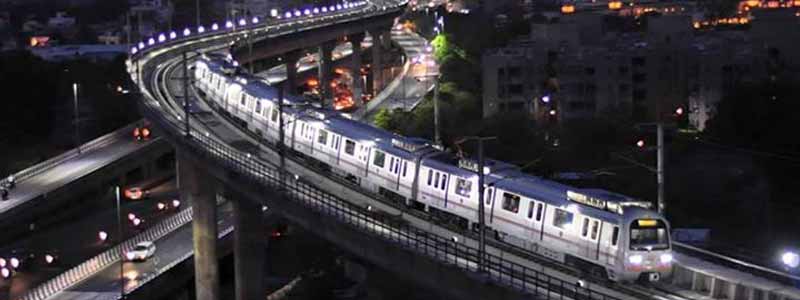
(121, 252)
(437, 136)
(77, 126)
(660, 168)
(186, 93)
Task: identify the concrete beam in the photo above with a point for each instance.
(355, 58)
(198, 188)
(249, 248)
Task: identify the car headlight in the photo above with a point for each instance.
(666, 258)
(635, 259)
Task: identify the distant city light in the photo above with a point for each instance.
(228, 24)
(201, 29)
(242, 22)
(640, 143)
(172, 35)
(546, 98)
(5, 272)
(49, 259)
(679, 111)
(131, 216)
(552, 112)
(151, 41)
(288, 14)
(214, 26)
(297, 13)
(161, 38)
(102, 235)
(187, 32)
(255, 20)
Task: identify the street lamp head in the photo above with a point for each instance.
(790, 259)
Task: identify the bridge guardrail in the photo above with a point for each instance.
(82, 271)
(499, 270)
(89, 146)
(738, 264)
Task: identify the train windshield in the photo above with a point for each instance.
(649, 234)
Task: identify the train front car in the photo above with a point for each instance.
(647, 250)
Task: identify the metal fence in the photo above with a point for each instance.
(105, 259)
(87, 147)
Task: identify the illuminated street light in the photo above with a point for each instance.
(790, 259)
(176, 203)
(3, 262)
(162, 38)
(552, 112)
(161, 206)
(640, 143)
(131, 216)
(214, 26)
(201, 29)
(14, 262)
(546, 98)
(136, 221)
(5, 272)
(173, 35)
(49, 259)
(187, 32)
(151, 41)
(679, 111)
(273, 12)
(102, 235)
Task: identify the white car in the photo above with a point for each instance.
(141, 252)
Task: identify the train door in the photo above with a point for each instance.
(612, 245)
(530, 217)
(488, 204)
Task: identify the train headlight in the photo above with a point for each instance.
(666, 258)
(635, 259)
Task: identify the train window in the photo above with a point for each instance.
(615, 236)
(405, 167)
(595, 227)
(337, 142)
(274, 115)
(562, 219)
(511, 202)
(463, 187)
(380, 159)
(242, 99)
(349, 147)
(436, 180)
(539, 211)
(396, 168)
(489, 196)
(530, 210)
(585, 230)
(322, 138)
(430, 176)
(258, 107)
(444, 182)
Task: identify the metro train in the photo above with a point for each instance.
(599, 232)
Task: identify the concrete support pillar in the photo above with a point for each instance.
(249, 249)
(290, 59)
(325, 63)
(198, 188)
(377, 64)
(358, 85)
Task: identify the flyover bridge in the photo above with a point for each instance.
(219, 158)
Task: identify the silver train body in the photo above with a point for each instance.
(595, 230)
